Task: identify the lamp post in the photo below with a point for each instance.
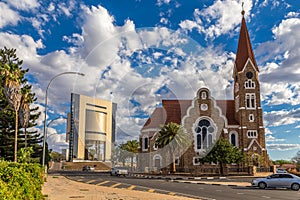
(45, 112)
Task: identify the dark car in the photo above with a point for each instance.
(281, 180)
(88, 168)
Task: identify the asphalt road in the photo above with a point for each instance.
(197, 191)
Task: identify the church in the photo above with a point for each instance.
(239, 120)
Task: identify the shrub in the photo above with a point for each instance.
(20, 181)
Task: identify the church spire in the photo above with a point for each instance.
(244, 50)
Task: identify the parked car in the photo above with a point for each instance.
(280, 180)
(88, 168)
(281, 170)
(118, 171)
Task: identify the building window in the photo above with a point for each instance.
(204, 134)
(196, 160)
(203, 95)
(251, 118)
(177, 160)
(249, 84)
(233, 138)
(145, 143)
(237, 103)
(252, 134)
(250, 101)
(155, 146)
(157, 161)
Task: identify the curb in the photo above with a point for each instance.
(185, 180)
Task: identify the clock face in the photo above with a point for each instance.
(249, 75)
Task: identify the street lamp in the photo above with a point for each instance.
(45, 112)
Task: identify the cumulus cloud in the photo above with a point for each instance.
(282, 117)
(283, 52)
(23, 4)
(215, 20)
(8, 16)
(56, 141)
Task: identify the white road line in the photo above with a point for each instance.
(266, 197)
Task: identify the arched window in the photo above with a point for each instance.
(204, 134)
(233, 138)
(157, 161)
(249, 84)
(199, 141)
(145, 143)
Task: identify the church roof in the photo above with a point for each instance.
(244, 50)
(175, 110)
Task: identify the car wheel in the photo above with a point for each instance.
(111, 174)
(262, 185)
(295, 186)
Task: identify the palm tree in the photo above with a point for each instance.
(131, 147)
(11, 75)
(173, 137)
(24, 111)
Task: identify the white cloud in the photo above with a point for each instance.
(270, 138)
(283, 52)
(162, 2)
(23, 4)
(280, 93)
(25, 45)
(56, 141)
(282, 117)
(282, 147)
(215, 20)
(8, 16)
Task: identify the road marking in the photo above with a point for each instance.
(115, 185)
(171, 193)
(240, 193)
(131, 187)
(102, 183)
(151, 190)
(90, 181)
(218, 190)
(266, 197)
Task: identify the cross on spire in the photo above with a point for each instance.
(243, 11)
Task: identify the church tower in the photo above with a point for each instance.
(248, 110)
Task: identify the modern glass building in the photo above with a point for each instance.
(91, 128)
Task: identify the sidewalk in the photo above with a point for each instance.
(61, 188)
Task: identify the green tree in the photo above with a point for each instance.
(56, 156)
(131, 147)
(224, 153)
(12, 77)
(281, 162)
(173, 137)
(10, 74)
(24, 154)
(24, 111)
(296, 159)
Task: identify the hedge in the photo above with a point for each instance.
(20, 181)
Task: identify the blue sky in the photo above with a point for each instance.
(137, 52)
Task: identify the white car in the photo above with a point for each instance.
(281, 170)
(118, 171)
(281, 180)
